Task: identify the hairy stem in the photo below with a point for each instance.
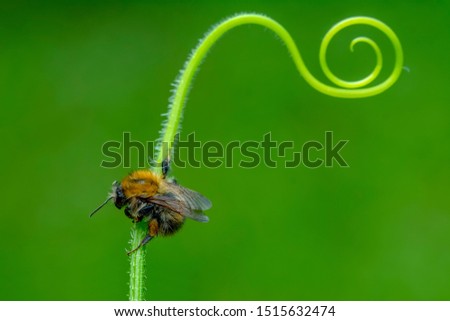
(342, 89)
(137, 263)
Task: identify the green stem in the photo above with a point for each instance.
(137, 263)
(348, 89)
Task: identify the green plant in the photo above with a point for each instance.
(348, 89)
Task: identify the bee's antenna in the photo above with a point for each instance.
(103, 204)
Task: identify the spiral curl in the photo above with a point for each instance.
(345, 89)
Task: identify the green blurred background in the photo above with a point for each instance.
(73, 76)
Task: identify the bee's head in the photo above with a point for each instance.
(117, 195)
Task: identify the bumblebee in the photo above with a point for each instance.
(163, 203)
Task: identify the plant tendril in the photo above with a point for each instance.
(345, 89)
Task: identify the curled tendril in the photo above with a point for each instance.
(345, 89)
(352, 84)
(379, 59)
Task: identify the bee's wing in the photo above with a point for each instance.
(194, 200)
(174, 204)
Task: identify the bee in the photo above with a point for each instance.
(151, 197)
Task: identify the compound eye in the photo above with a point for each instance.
(119, 201)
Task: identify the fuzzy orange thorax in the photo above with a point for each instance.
(141, 183)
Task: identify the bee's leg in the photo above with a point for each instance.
(153, 227)
(147, 209)
(144, 212)
(152, 232)
(134, 219)
(165, 166)
(128, 213)
(146, 239)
